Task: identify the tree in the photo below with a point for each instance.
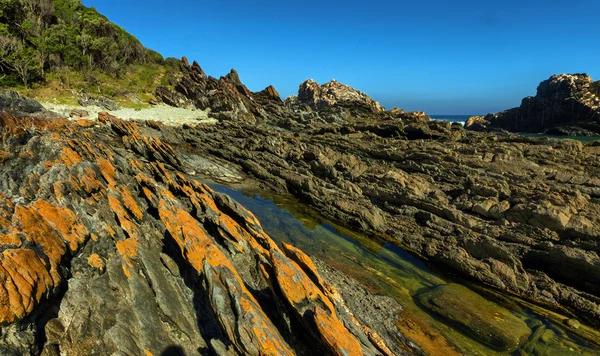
(17, 58)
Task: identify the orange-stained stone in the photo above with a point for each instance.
(87, 123)
(111, 231)
(96, 261)
(335, 335)
(38, 231)
(295, 285)
(27, 154)
(130, 203)
(128, 249)
(198, 247)
(70, 157)
(87, 181)
(108, 171)
(24, 280)
(64, 221)
(58, 190)
(10, 239)
(305, 263)
(122, 216)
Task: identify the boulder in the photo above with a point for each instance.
(10, 100)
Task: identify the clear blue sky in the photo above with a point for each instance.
(443, 57)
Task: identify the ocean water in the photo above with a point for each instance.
(452, 118)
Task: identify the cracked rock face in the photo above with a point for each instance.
(565, 104)
(108, 247)
(516, 213)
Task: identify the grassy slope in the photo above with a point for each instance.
(132, 90)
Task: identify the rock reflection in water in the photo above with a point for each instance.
(438, 315)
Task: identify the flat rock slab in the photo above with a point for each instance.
(481, 319)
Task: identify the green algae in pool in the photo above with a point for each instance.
(484, 323)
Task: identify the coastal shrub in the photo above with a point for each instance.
(38, 37)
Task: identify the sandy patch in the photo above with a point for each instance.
(166, 114)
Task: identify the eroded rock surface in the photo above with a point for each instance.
(227, 98)
(519, 214)
(109, 247)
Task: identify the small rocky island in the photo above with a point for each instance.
(438, 239)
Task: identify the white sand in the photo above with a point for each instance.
(167, 114)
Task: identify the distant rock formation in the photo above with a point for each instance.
(566, 104)
(317, 97)
(228, 99)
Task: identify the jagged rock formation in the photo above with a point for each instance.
(516, 213)
(315, 97)
(225, 98)
(228, 99)
(566, 104)
(108, 246)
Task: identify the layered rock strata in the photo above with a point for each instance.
(108, 246)
(519, 214)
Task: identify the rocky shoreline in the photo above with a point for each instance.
(116, 203)
(511, 212)
(108, 246)
(565, 105)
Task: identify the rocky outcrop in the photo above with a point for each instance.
(227, 98)
(109, 245)
(515, 213)
(567, 104)
(315, 97)
(10, 100)
(101, 102)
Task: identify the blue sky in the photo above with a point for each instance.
(443, 57)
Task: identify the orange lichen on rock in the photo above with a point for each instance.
(335, 335)
(128, 250)
(199, 249)
(87, 123)
(64, 221)
(86, 181)
(70, 157)
(130, 203)
(295, 285)
(27, 154)
(122, 215)
(24, 280)
(96, 261)
(10, 240)
(6, 211)
(111, 231)
(108, 171)
(305, 263)
(38, 231)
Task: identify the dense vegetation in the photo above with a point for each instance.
(62, 40)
